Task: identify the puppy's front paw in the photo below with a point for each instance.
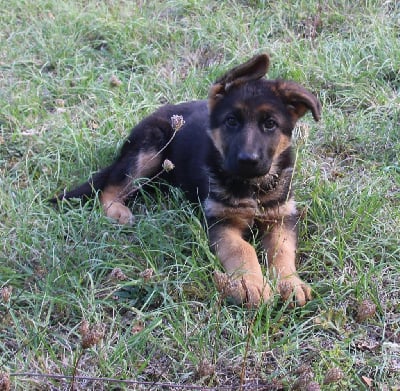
(294, 285)
(246, 289)
(119, 212)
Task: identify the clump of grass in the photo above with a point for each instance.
(90, 336)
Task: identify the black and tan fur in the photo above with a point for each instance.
(233, 154)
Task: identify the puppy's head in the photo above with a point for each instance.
(251, 118)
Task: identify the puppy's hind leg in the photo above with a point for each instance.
(112, 200)
(137, 164)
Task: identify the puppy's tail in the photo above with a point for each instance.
(86, 190)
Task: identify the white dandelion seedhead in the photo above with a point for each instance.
(177, 122)
(168, 165)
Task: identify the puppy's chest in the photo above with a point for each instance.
(265, 201)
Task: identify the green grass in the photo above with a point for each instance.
(61, 120)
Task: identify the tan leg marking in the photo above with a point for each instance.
(112, 199)
(239, 258)
(148, 163)
(280, 244)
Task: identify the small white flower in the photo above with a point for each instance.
(168, 165)
(177, 122)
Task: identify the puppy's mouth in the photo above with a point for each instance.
(261, 174)
(249, 173)
(266, 179)
(266, 182)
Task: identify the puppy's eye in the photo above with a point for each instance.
(232, 122)
(269, 125)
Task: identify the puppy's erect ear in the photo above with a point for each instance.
(253, 69)
(298, 99)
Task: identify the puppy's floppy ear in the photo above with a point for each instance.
(298, 99)
(253, 69)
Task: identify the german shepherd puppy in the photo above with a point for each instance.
(233, 154)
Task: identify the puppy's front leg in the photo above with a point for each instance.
(280, 243)
(246, 283)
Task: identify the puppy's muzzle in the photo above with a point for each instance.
(250, 165)
(248, 159)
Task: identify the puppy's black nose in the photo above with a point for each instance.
(248, 158)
